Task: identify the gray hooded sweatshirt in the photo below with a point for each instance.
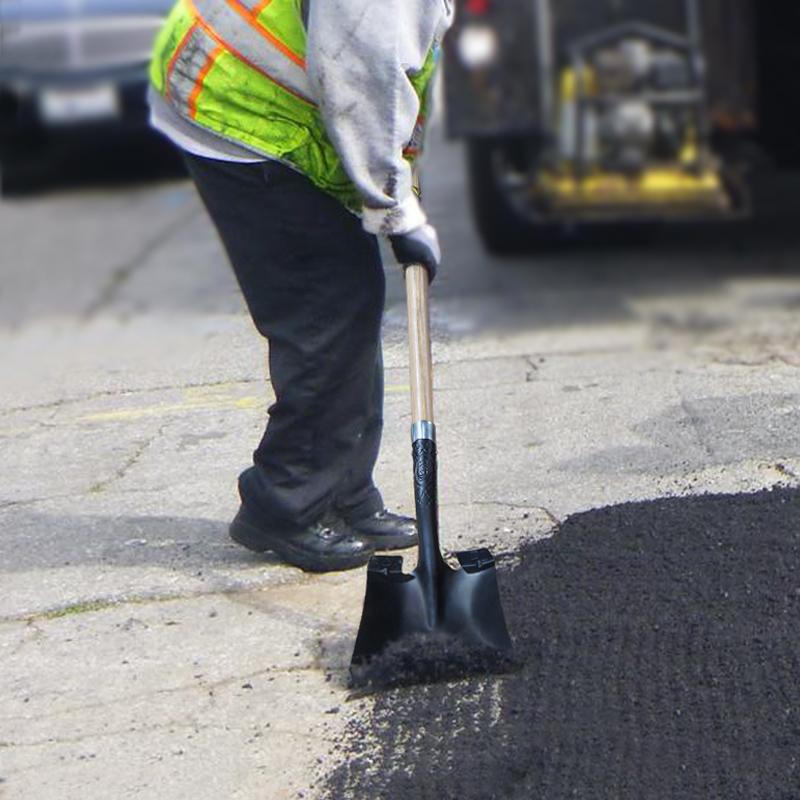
(359, 56)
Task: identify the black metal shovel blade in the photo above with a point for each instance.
(410, 634)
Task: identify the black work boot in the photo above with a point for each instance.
(387, 531)
(328, 545)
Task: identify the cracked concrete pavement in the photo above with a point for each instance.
(143, 654)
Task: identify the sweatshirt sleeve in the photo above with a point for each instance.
(359, 57)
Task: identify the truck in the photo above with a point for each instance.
(579, 113)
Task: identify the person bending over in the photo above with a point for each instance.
(299, 121)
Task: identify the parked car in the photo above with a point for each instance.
(67, 65)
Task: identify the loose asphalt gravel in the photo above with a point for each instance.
(661, 660)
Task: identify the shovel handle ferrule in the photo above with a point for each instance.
(423, 430)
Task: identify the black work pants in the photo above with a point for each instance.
(314, 284)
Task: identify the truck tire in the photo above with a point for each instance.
(504, 230)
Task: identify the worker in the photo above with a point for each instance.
(299, 121)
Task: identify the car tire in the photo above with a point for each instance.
(23, 167)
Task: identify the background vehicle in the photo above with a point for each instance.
(603, 111)
(71, 65)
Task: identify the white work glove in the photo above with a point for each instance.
(418, 246)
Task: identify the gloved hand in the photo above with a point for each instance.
(420, 246)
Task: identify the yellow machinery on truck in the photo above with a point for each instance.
(580, 112)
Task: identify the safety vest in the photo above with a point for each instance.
(238, 68)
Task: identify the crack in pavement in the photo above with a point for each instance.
(32, 501)
(108, 603)
(532, 361)
(170, 724)
(518, 506)
(208, 687)
(693, 421)
(56, 404)
(121, 472)
(122, 273)
(783, 469)
(533, 367)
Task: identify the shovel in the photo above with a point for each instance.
(437, 622)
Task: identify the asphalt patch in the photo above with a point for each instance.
(427, 658)
(660, 644)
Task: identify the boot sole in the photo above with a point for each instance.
(260, 541)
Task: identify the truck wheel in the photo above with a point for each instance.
(503, 227)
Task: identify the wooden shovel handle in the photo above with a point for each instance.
(419, 340)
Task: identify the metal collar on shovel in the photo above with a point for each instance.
(436, 623)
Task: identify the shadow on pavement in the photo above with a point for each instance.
(89, 161)
(42, 541)
(602, 277)
(723, 430)
(661, 660)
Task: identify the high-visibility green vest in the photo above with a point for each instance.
(237, 68)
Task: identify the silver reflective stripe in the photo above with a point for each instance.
(189, 62)
(245, 39)
(423, 430)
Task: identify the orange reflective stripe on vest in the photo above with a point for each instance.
(251, 18)
(201, 76)
(237, 68)
(222, 20)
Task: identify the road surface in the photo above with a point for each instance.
(143, 654)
